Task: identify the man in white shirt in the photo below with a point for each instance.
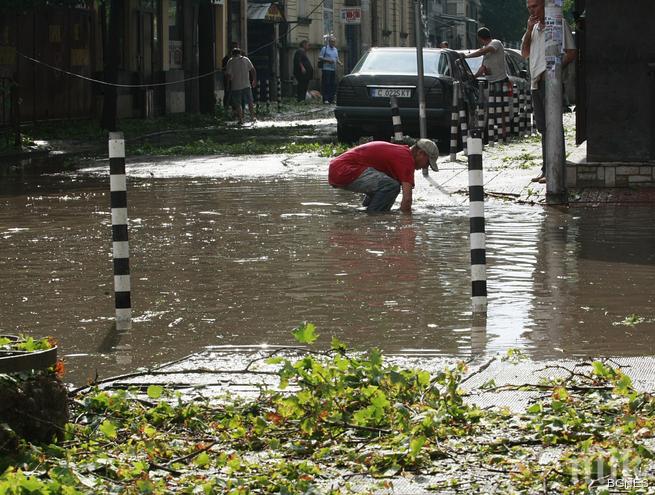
(242, 75)
(493, 52)
(533, 47)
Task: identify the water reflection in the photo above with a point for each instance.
(220, 261)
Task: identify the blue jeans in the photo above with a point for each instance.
(379, 187)
(329, 84)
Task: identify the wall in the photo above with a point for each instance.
(620, 91)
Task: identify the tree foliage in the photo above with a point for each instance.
(506, 19)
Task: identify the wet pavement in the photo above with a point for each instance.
(239, 250)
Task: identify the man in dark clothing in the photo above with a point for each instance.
(302, 70)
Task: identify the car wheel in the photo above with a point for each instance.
(346, 134)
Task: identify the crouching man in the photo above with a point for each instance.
(380, 170)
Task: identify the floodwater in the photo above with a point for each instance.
(240, 251)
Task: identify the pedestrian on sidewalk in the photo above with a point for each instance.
(242, 76)
(381, 170)
(226, 80)
(302, 70)
(329, 56)
(533, 47)
(493, 57)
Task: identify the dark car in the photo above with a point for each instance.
(363, 107)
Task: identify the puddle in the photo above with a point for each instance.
(220, 260)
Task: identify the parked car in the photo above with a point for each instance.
(363, 96)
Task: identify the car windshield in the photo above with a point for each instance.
(402, 62)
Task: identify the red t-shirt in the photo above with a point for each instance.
(395, 160)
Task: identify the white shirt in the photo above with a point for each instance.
(538, 50)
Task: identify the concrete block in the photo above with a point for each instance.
(626, 170)
(646, 170)
(610, 176)
(600, 174)
(639, 179)
(571, 177)
(621, 181)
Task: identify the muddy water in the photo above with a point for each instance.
(226, 260)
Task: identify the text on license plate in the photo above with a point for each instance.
(388, 92)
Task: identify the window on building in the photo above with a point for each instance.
(328, 17)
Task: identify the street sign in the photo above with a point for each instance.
(351, 15)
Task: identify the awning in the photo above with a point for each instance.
(269, 12)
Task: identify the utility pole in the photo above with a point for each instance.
(420, 91)
(554, 138)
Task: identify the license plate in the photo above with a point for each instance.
(389, 92)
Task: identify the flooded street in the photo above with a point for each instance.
(238, 251)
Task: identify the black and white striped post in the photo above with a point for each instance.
(268, 95)
(454, 124)
(476, 222)
(120, 246)
(279, 94)
(507, 125)
(482, 86)
(498, 89)
(491, 115)
(530, 126)
(516, 111)
(463, 119)
(522, 112)
(258, 94)
(395, 120)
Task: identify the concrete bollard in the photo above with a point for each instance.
(498, 90)
(120, 246)
(258, 94)
(523, 113)
(476, 222)
(454, 124)
(506, 116)
(463, 119)
(395, 120)
(279, 94)
(516, 111)
(482, 86)
(491, 115)
(530, 126)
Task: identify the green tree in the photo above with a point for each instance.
(506, 19)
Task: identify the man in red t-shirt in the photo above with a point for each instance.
(380, 169)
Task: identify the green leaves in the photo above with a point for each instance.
(155, 391)
(108, 429)
(305, 333)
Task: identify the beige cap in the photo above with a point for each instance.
(432, 151)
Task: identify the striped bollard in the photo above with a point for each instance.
(491, 115)
(258, 94)
(120, 246)
(482, 85)
(279, 94)
(499, 111)
(476, 222)
(463, 120)
(454, 124)
(268, 95)
(523, 113)
(530, 125)
(507, 125)
(516, 111)
(395, 120)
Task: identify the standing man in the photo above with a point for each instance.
(533, 47)
(239, 70)
(330, 57)
(302, 70)
(380, 170)
(493, 57)
(226, 79)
